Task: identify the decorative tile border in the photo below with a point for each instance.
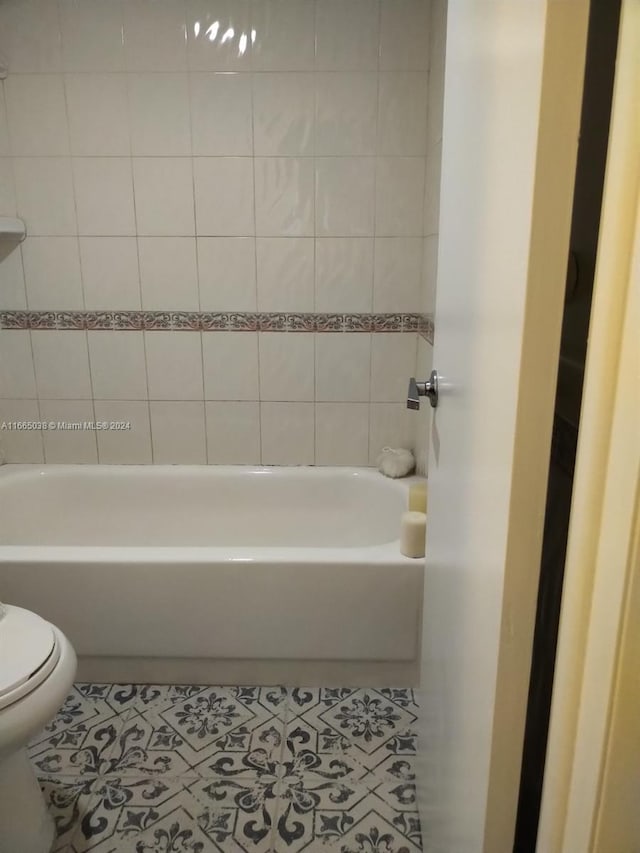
(206, 321)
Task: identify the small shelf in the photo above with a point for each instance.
(12, 228)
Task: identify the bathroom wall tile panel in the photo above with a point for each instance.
(345, 196)
(21, 445)
(168, 273)
(117, 365)
(283, 114)
(397, 273)
(286, 366)
(5, 148)
(432, 190)
(155, 36)
(287, 433)
(285, 269)
(224, 196)
(221, 114)
(210, 45)
(390, 425)
(30, 36)
(230, 366)
(346, 113)
(233, 433)
(174, 366)
(17, 377)
(342, 434)
(68, 446)
(404, 35)
(130, 446)
(92, 37)
(12, 290)
(285, 35)
(393, 357)
(159, 114)
(8, 190)
(347, 35)
(402, 124)
(344, 274)
(61, 361)
(163, 188)
(52, 273)
(429, 273)
(178, 433)
(343, 363)
(227, 273)
(98, 114)
(284, 196)
(36, 114)
(104, 196)
(399, 196)
(110, 272)
(38, 180)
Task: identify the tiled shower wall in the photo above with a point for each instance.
(216, 193)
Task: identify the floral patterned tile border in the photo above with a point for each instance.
(207, 321)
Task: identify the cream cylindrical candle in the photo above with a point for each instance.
(412, 532)
(418, 497)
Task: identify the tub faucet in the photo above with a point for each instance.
(423, 389)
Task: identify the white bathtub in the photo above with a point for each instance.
(218, 574)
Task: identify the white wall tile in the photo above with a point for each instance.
(36, 114)
(17, 377)
(286, 366)
(284, 196)
(52, 273)
(429, 273)
(233, 433)
(38, 181)
(13, 295)
(210, 45)
(174, 365)
(168, 273)
(8, 187)
(344, 274)
(62, 365)
(393, 358)
(397, 274)
(69, 446)
(178, 433)
(283, 113)
(21, 445)
(342, 434)
(399, 196)
(5, 148)
(227, 273)
(345, 196)
(98, 117)
(30, 35)
(163, 196)
(224, 196)
(159, 114)
(346, 111)
(347, 35)
(390, 425)
(404, 35)
(432, 190)
(402, 122)
(230, 365)
(287, 433)
(110, 273)
(221, 114)
(343, 366)
(92, 38)
(104, 196)
(155, 36)
(117, 365)
(285, 273)
(285, 36)
(124, 446)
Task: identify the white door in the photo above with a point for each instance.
(513, 86)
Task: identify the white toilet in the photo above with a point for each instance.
(37, 668)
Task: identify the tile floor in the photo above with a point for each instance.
(192, 769)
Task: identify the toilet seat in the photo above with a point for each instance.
(29, 652)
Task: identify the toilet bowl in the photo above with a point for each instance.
(37, 668)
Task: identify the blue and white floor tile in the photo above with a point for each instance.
(197, 769)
